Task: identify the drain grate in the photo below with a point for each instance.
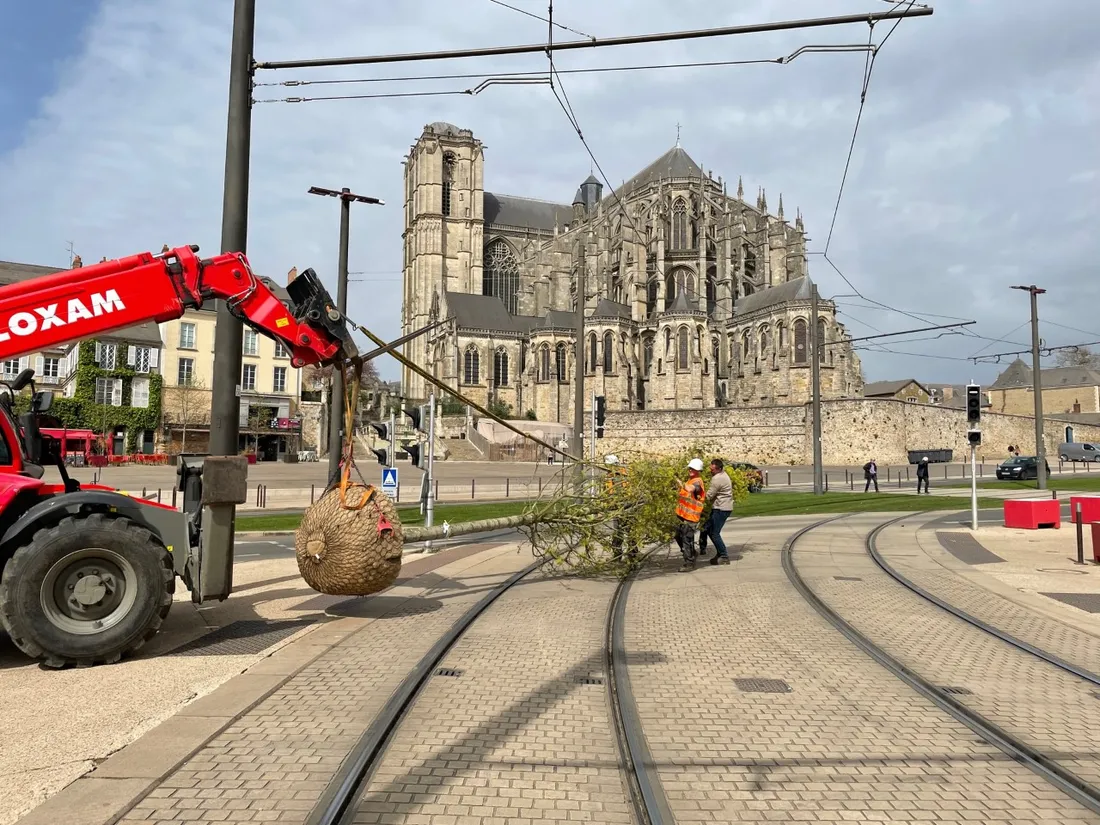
(243, 638)
(762, 686)
(590, 680)
(848, 578)
(449, 671)
(956, 690)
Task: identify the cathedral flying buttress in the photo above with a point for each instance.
(692, 298)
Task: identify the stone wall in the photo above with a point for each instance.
(1021, 400)
(852, 432)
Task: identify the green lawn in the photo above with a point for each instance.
(791, 504)
(1085, 484)
(410, 516)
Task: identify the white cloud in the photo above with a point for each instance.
(127, 153)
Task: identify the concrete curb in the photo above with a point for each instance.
(264, 532)
(107, 792)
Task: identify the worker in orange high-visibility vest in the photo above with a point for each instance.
(689, 509)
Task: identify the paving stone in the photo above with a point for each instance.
(848, 743)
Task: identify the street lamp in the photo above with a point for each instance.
(335, 418)
(1040, 450)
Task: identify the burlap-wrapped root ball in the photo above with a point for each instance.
(346, 550)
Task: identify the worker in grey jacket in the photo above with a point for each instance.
(720, 498)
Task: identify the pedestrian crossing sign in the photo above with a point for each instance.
(389, 481)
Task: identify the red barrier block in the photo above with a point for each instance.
(1090, 509)
(1032, 513)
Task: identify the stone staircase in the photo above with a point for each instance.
(461, 450)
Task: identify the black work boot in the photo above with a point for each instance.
(687, 566)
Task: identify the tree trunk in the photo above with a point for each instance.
(413, 534)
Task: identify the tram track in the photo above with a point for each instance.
(1041, 761)
(642, 788)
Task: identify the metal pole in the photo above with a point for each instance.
(228, 334)
(973, 487)
(393, 439)
(429, 510)
(1080, 536)
(578, 374)
(1040, 448)
(336, 420)
(815, 372)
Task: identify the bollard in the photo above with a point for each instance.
(257, 495)
(887, 475)
(765, 478)
(1080, 536)
(826, 482)
(311, 492)
(907, 472)
(899, 481)
(143, 491)
(473, 487)
(158, 495)
(852, 481)
(507, 487)
(437, 489)
(173, 498)
(945, 472)
(1074, 465)
(1054, 494)
(981, 471)
(540, 487)
(788, 478)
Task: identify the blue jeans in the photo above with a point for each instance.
(712, 529)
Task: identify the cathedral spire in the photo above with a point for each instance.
(779, 214)
(763, 200)
(740, 189)
(798, 219)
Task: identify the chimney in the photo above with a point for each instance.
(290, 276)
(77, 263)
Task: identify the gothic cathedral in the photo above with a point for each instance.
(692, 298)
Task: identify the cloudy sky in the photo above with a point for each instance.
(972, 169)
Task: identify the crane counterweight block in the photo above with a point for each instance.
(87, 301)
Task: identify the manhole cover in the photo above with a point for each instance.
(762, 686)
(590, 680)
(956, 690)
(448, 671)
(244, 638)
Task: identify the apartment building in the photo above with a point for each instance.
(48, 365)
(270, 389)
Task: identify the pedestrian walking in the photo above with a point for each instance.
(870, 473)
(922, 474)
(689, 509)
(720, 498)
(620, 526)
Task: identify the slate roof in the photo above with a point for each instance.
(525, 213)
(558, 319)
(147, 333)
(878, 389)
(606, 308)
(481, 312)
(682, 304)
(1018, 374)
(675, 163)
(794, 290)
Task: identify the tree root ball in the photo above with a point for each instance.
(347, 550)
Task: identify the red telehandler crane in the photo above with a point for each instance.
(87, 574)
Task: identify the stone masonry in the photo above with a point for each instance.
(852, 431)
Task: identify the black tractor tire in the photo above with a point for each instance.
(130, 571)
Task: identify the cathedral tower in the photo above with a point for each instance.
(444, 180)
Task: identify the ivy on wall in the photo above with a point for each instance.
(80, 412)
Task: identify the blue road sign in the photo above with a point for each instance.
(389, 481)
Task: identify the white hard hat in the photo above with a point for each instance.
(696, 464)
(611, 459)
(925, 458)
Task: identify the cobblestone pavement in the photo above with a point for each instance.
(1052, 711)
(272, 764)
(517, 738)
(913, 554)
(848, 742)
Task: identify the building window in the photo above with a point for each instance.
(608, 352)
(544, 362)
(500, 368)
(108, 391)
(187, 335)
(746, 345)
(652, 287)
(139, 393)
(750, 264)
(278, 380)
(106, 355)
(501, 274)
(681, 233)
(559, 363)
(11, 368)
(683, 345)
(801, 356)
(185, 373)
(593, 353)
(912, 399)
(821, 341)
(141, 359)
(781, 335)
(51, 368)
(679, 281)
(763, 339)
(248, 377)
(281, 351)
(712, 291)
(471, 366)
(448, 181)
(251, 343)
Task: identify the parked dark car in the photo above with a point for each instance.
(755, 476)
(1020, 468)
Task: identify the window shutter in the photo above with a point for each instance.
(98, 352)
(63, 368)
(116, 393)
(24, 362)
(154, 358)
(39, 363)
(131, 356)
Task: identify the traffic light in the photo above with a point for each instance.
(419, 417)
(974, 437)
(973, 403)
(601, 414)
(382, 429)
(414, 453)
(382, 455)
(386, 454)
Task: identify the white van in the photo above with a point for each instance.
(1079, 452)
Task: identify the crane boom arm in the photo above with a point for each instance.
(81, 303)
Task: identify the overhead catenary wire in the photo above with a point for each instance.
(553, 23)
